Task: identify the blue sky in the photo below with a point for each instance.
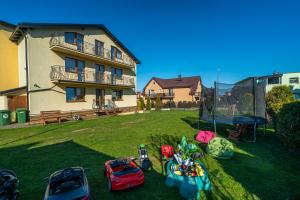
(232, 38)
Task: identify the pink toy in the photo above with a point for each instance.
(205, 136)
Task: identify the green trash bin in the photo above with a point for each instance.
(21, 115)
(4, 117)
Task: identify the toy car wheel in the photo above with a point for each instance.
(109, 185)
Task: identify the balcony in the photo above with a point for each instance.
(164, 95)
(89, 51)
(58, 74)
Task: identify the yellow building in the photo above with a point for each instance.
(66, 67)
(174, 89)
(9, 75)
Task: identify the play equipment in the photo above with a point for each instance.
(220, 148)
(167, 151)
(122, 173)
(205, 136)
(189, 186)
(145, 162)
(239, 103)
(187, 173)
(69, 183)
(8, 185)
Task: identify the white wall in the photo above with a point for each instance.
(3, 103)
(286, 79)
(22, 62)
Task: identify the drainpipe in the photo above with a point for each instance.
(27, 73)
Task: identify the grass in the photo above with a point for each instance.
(261, 170)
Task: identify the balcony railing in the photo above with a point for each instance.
(91, 49)
(59, 73)
(162, 95)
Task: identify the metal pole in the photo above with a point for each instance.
(254, 109)
(214, 108)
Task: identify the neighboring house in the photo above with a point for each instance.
(174, 89)
(72, 67)
(12, 83)
(290, 79)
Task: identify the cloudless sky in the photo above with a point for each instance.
(232, 38)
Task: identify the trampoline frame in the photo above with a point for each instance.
(255, 123)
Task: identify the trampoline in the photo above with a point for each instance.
(239, 103)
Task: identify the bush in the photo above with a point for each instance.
(169, 104)
(276, 98)
(152, 104)
(288, 124)
(188, 104)
(148, 104)
(158, 103)
(141, 104)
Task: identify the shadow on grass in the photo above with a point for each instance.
(33, 163)
(265, 169)
(59, 126)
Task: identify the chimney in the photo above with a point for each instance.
(179, 77)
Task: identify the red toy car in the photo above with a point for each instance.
(123, 173)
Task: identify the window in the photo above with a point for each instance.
(73, 38)
(294, 80)
(99, 72)
(75, 94)
(73, 65)
(273, 80)
(117, 73)
(99, 48)
(70, 38)
(117, 95)
(119, 54)
(115, 53)
(170, 92)
(70, 65)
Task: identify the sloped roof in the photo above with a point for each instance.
(180, 82)
(21, 27)
(6, 24)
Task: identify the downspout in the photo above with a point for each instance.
(27, 73)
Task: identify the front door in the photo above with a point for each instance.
(100, 100)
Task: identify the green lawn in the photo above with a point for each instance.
(261, 170)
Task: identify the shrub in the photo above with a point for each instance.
(152, 104)
(169, 104)
(288, 124)
(188, 104)
(141, 104)
(148, 104)
(276, 98)
(158, 103)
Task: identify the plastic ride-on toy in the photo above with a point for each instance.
(122, 174)
(145, 162)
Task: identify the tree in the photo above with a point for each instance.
(141, 104)
(148, 104)
(276, 98)
(158, 103)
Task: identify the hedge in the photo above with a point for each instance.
(288, 124)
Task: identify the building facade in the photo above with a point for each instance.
(289, 79)
(174, 89)
(71, 67)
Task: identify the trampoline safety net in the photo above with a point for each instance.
(242, 102)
